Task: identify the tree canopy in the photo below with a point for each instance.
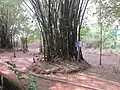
(110, 11)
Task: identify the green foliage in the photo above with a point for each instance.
(34, 35)
(107, 38)
(18, 22)
(85, 31)
(110, 11)
(32, 85)
(93, 38)
(107, 12)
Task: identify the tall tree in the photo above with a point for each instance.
(9, 10)
(60, 20)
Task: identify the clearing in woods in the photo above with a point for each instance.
(91, 79)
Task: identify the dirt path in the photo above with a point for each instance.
(110, 68)
(87, 82)
(89, 78)
(108, 58)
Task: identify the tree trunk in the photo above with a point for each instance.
(60, 36)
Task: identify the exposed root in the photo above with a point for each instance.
(59, 66)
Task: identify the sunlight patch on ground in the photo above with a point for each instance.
(81, 77)
(61, 86)
(87, 80)
(6, 72)
(23, 70)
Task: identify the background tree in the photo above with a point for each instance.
(9, 10)
(110, 11)
(109, 18)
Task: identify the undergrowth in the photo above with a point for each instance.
(32, 81)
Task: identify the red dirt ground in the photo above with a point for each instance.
(91, 78)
